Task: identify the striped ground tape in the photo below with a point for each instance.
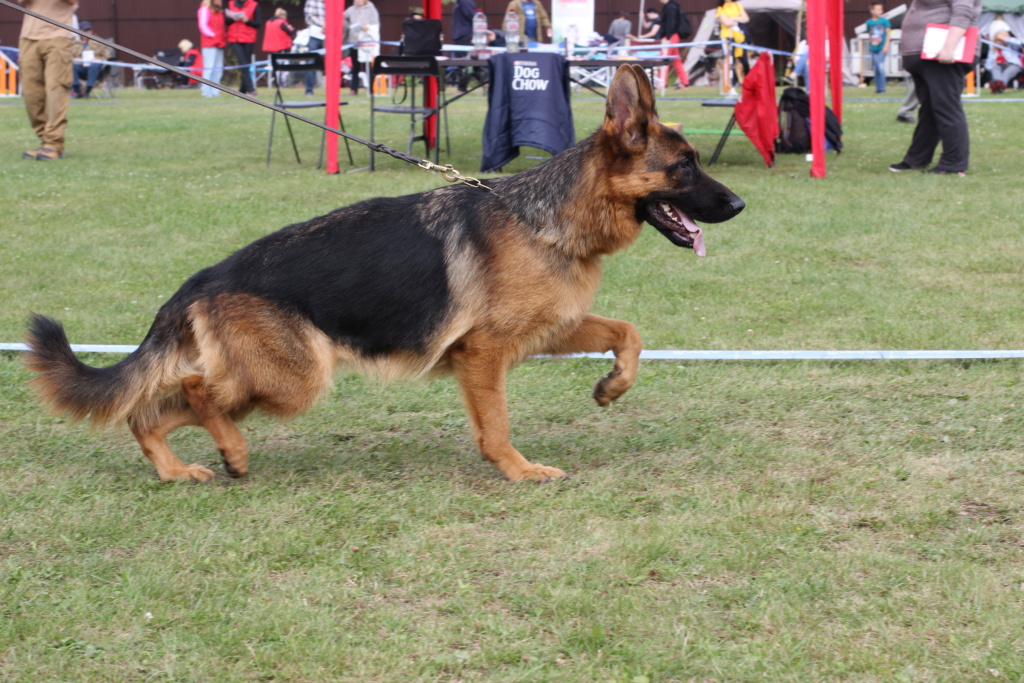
(692, 354)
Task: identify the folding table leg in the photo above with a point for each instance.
(721, 141)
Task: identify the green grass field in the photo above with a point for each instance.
(726, 521)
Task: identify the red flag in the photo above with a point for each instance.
(756, 112)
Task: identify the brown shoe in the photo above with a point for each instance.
(44, 154)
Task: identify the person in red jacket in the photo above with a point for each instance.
(242, 18)
(278, 33)
(191, 60)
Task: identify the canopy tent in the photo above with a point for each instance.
(1003, 6)
(765, 16)
(1012, 12)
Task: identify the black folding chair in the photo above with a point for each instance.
(153, 79)
(283, 62)
(413, 68)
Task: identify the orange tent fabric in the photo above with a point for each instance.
(756, 112)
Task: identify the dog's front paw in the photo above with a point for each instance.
(537, 472)
(190, 473)
(611, 387)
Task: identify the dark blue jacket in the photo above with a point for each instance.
(528, 104)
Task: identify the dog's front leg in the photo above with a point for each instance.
(481, 374)
(600, 335)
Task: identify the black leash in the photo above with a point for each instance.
(447, 171)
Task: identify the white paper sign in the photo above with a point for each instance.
(566, 13)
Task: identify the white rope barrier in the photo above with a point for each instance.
(578, 50)
(815, 355)
(925, 354)
(80, 348)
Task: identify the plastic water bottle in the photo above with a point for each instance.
(571, 36)
(479, 31)
(512, 31)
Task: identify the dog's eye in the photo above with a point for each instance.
(681, 168)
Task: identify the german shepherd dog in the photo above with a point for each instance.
(455, 280)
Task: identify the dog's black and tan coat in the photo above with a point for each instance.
(456, 280)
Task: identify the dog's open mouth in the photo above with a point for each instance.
(677, 227)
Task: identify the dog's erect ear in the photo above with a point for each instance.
(630, 107)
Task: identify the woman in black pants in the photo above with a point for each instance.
(938, 82)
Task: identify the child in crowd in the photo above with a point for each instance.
(879, 31)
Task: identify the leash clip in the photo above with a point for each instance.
(449, 173)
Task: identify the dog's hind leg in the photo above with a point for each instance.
(600, 335)
(481, 374)
(230, 442)
(153, 440)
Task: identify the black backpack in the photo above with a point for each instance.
(421, 37)
(795, 124)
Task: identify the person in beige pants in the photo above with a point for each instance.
(45, 58)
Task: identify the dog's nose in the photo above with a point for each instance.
(737, 204)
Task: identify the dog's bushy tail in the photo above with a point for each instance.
(103, 395)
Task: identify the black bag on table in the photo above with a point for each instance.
(421, 37)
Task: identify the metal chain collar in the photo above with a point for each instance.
(453, 176)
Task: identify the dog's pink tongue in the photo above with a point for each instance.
(698, 244)
(696, 234)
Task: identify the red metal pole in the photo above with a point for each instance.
(816, 32)
(431, 10)
(334, 15)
